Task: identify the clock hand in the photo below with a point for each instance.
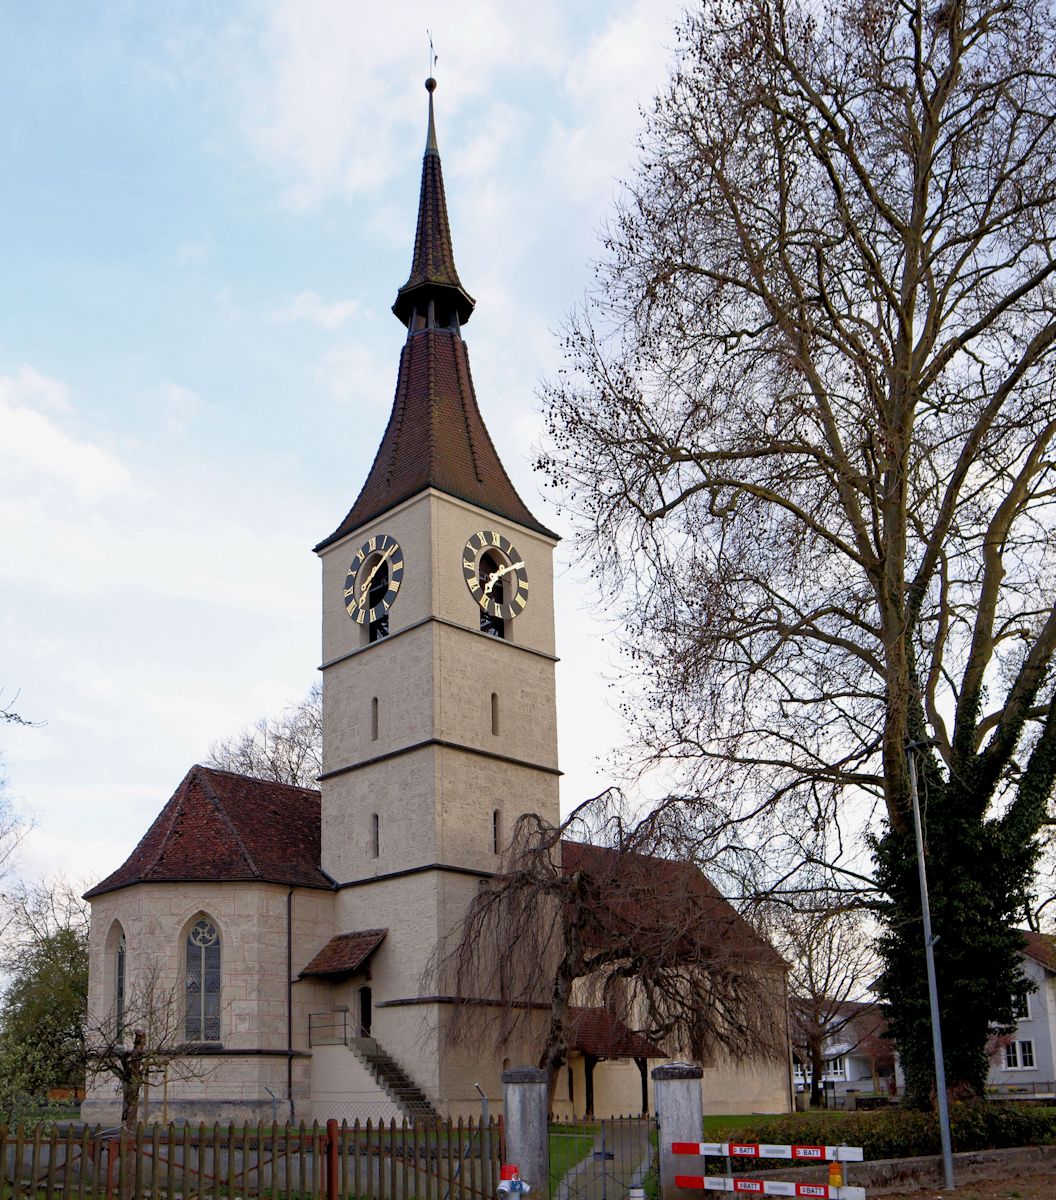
(376, 568)
(494, 578)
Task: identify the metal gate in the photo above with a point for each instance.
(600, 1160)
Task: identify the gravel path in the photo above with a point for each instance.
(1035, 1186)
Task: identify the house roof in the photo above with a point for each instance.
(436, 437)
(223, 827)
(598, 1033)
(640, 896)
(1041, 947)
(345, 954)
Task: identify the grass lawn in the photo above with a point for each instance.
(567, 1147)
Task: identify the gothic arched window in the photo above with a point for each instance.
(203, 982)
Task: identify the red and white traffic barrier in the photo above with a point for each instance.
(771, 1187)
(768, 1187)
(764, 1150)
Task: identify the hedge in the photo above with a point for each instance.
(903, 1133)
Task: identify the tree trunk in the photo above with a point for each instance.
(817, 1069)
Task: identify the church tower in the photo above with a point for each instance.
(439, 716)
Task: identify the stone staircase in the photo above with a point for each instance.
(394, 1080)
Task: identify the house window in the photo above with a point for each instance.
(119, 987)
(835, 1068)
(1019, 1056)
(375, 835)
(1021, 1005)
(203, 982)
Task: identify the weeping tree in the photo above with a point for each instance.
(805, 431)
(595, 913)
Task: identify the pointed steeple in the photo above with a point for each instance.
(436, 437)
(433, 276)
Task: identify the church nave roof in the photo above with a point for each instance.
(221, 827)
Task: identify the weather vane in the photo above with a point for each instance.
(433, 56)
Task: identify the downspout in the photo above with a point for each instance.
(289, 1000)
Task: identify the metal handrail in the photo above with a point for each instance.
(325, 1029)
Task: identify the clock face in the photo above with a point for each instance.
(495, 574)
(374, 578)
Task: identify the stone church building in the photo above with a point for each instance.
(290, 930)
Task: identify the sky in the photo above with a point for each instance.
(205, 212)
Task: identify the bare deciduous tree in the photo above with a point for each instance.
(143, 1043)
(807, 428)
(286, 749)
(591, 912)
(832, 964)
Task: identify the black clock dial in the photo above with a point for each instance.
(374, 578)
(495, 574)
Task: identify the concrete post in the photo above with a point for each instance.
(526, 1109)
(680, 1117)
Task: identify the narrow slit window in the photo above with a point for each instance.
(119, 987)
(495, 713)
(374, 719)
(375, 835)
(496, 832)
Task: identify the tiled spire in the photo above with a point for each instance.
(435, 437)
(433, 275)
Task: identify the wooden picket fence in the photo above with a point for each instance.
(454, 1160)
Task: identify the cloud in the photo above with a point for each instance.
(35, 444)
(310, 306)
(331, 108)
(360, 373)
(181, 405)
(611, 79)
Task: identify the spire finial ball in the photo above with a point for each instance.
(430, 84)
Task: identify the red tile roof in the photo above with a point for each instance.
(219, 826)
(1041, 947)
(345, 954)
(639, 896)
(598, 1033)
(436, 438)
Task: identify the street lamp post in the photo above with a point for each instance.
(929, 957)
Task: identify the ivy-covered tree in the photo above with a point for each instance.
(807, 431)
